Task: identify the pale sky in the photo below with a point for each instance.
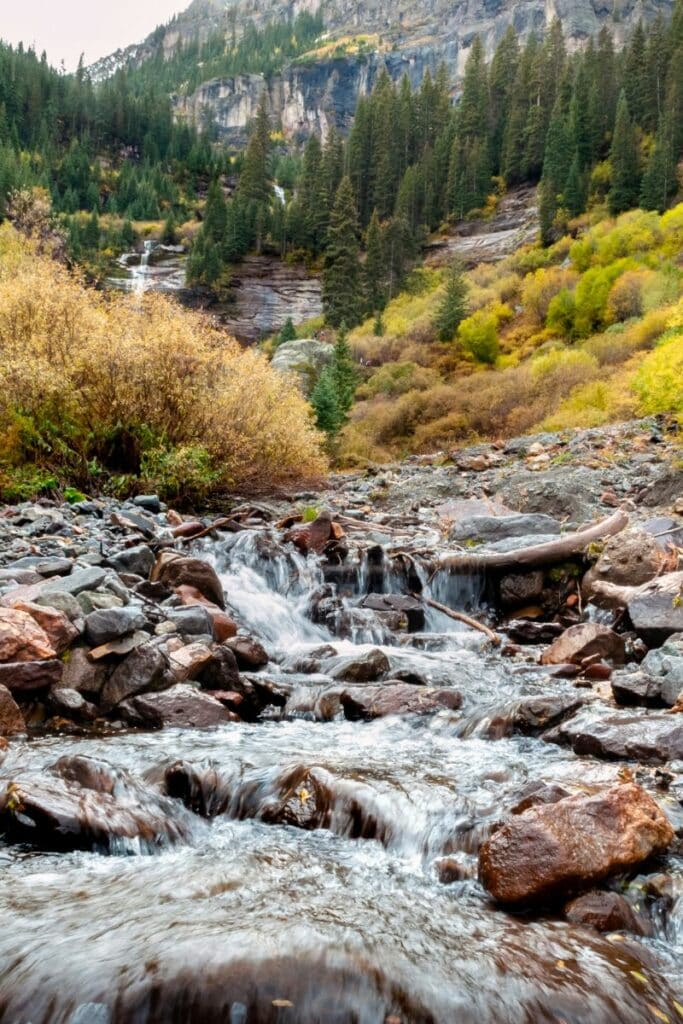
(67, 28)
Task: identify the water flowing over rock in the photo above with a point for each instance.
(573, 843)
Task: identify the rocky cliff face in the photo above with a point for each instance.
(408, 37)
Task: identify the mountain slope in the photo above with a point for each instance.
(321, 88)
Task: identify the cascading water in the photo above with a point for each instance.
(250, 918)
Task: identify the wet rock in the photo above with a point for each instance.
(191, 620)
(82, 674)
(368, 702)
(489, 529)
(517, 589)
(180, 707)
(187, 662)
(78, 581)
(11, 718)
(365, 667)
(630, 558)
(650, 738)
(656, 611)
(249, 653)
(56, 624)
(410, 607)
(101, 627)
(199, 787)
(223, 626)
(572, 844)
(526, 631)
(304, 800)
(636, 688)
(665, 667)
(452, 869)
(586, 640)
(536, 793)
(24, 676)
(21, 638)
(313, 536)
(533, 714)
(53, 813)
(605, 912)
(119, 648)
(71, 704)
(138, 560)
(220, 670)
(143, 669)
(175, 570)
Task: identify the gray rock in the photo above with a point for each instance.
(44, 566)
(63, 602)
(77, 582)
(487, 529)
(143, 669)
(94, 601)
(636, 688)
(657, 610)
(112, 623)
(191, 620)
(150, 502)
(138, 560)
(305, 358)
(521, 588)
(665, 666)
(648, 737)
(72, 704)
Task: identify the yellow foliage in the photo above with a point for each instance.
(95, 377)
(659, 382)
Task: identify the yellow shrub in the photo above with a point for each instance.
(541, 287)
(659, 382)
(109, 379)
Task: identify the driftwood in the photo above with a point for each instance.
(460, 617)
(610, 595)
(539, 554)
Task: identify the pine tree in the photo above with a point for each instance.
(547, 210)
(287, 332)
(659, 179)
(373, 268)
(169, 234)
(344, 371)
(452, 309)
(342, 288)
(329, 417)
(255, 184)
(624, 160)
(574, 189)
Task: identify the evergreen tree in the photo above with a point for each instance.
(373, 268)
(547, 210)
(255, 183)
(574, 190)
(169, 234)
(659, 179)
(342, 288)
(344, 371)
(324, 399)
(624, 160)
(287, 332)
(452, 309)
(333, 394)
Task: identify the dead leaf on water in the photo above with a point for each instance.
(639, 977)
(282, 1003)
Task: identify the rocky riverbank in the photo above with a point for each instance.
(430, 664)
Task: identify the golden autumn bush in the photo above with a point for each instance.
(124, 393)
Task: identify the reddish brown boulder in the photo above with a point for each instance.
(585, 642)
(21, 638)
(368, 702)
(181, 706)
(59, 628)
(23, 676)
(249, 653)
(176, 570)
(11, 718)
(605, 912)
(313, 536)
(572, 844)
(224, 628)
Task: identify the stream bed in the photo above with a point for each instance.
(244, 921)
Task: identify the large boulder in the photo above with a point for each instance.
(585, 642)
(75, 808)
(143, 669)
(11, 718)
(24, 676)
(176, 570)
(21, 638)
(181, 706)
(650, 738)
(57, 624)
(631, 558)
(304, 357)
(490, 529)
(368, 702)
(364, 667)
(572, 844)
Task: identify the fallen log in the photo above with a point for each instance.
(460, 617)
(539, 554)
